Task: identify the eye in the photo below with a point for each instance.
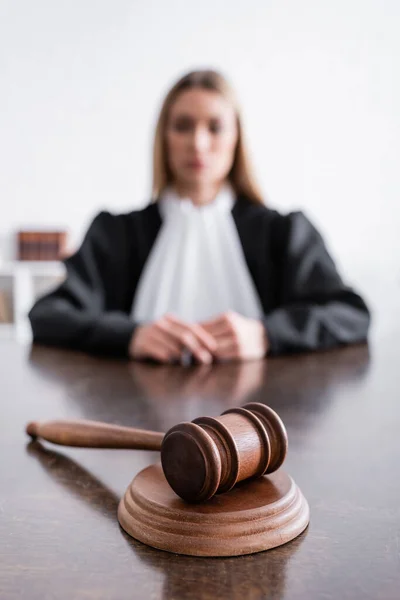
(215, 126)
(182, 124)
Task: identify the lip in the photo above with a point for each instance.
(196, 164)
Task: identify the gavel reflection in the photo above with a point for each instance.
(201, 458)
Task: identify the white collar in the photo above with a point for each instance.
(171, 203)
(196, 268)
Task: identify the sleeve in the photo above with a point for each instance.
(317, 311)
(74, 315)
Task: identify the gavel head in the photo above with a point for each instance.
(210, 455)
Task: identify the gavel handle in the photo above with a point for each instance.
(94, 434)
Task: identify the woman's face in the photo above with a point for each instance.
(201, 137)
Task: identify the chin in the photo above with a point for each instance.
(202, 179)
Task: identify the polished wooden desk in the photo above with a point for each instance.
(59, 536)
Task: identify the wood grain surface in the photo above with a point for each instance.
(59, 535)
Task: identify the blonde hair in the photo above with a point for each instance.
(240, 176)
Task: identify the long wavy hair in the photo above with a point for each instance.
(241, 175)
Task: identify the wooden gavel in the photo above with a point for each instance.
(204, 457)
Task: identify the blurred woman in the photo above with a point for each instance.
(206, 268)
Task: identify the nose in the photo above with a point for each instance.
(200, 139)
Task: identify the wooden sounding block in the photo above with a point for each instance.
(202, 462)
(254, 516)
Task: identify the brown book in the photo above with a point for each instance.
(41, 245)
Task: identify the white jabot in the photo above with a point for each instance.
(196, 269)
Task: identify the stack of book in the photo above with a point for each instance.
(41, 245)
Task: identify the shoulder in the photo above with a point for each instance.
(107, 223)
(300, 230)
(285, 231)
(295, 233)
(107, 218)
(258, 212)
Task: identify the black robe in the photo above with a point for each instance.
(306, 305)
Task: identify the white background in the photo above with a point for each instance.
(81, 83)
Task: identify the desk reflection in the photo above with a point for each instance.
(157, 397)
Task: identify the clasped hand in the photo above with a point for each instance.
(229, 336)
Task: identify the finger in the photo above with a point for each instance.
(158, 348)
(217, 329)
(156, 353)
(195, 329)
(231, 354)
(167, 340)
(227, 344)
(170, 331)
(221, 324)
(186, 340)
(204, 337)
(191, 343)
